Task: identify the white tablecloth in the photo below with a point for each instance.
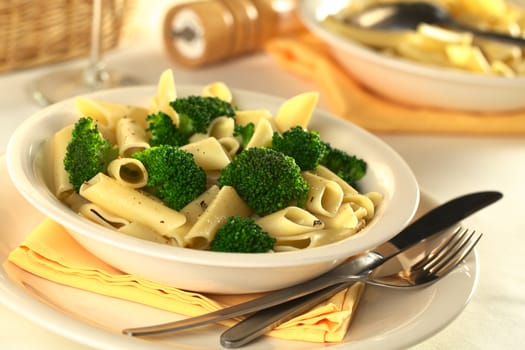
(445, 166)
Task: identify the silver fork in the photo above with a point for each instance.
(439, 262)
(336, 279)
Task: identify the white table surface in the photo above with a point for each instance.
(445, 166)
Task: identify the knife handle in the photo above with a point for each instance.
(265, 320)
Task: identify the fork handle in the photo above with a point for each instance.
(269, 300)
(265, 320)
(359, 266)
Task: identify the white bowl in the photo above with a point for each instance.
(207, 271)
(412, 83)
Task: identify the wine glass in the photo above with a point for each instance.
(62, 84)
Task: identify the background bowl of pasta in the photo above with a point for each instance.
(430, 67)
(204, 270)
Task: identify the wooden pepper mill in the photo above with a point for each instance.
(203, 32)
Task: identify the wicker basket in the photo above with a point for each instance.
(35, 32)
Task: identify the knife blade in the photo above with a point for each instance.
(438, 219)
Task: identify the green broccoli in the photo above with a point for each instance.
(163, 131)
(241, 235)
(306, 147)
(267, 180)
(173, 175)
(346, 166)
(197, 112)
(245, 133)
(88, 152)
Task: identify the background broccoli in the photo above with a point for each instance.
(245, 133)
(173, 175)
(306, 147)
(241, 235)
(163, 131)
(267, 180)
(88, 152)
(346, 166)
(197, 112)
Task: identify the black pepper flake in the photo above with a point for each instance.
(317, 222)
(161, 221)
(203, 205)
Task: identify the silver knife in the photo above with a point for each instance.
(434, 221)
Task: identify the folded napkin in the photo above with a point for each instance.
(51, 253)
(310, 58)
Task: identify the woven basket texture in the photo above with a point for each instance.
(37, 32)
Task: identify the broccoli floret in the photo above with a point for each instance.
(163, 131)
(173, 175)
(267, 180)
(245, 132)
(306, 147)
(241, 235)
(196, 113)
(346, 166)
(88, 153)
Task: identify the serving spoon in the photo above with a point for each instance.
(408, 15)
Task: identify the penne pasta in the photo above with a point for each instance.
(345, 217)
(208, 153)
(296, 111)
(219, 90)
(231, 145)
(227, 203)
(108, 114)
(324, 196)
(131, 137)
(312, 239)
(262, 134)
(138, 230)
(289, 221)
(329, 175)
(246, 117)
(101, 216)
(131, 204)
(193, 212)
(56, 151)
(363, 202)
(221, 127)
(166, 92)
(129, 172)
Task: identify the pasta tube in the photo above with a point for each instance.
(296, 111)
(131, 204)
(129, 172)
(227, 203)
(208, 153)
(289, 221)
(56, 150)
(324, 196)
(131, 137)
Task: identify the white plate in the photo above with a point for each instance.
(386, 319)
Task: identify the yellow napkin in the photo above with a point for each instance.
(308, 57)
(51, 253)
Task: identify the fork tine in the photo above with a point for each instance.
(444, 252)
(457, 256)
(437, 252)
(451, 256)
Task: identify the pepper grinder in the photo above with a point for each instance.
(203, 32)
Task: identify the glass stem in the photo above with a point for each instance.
(95, 73)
